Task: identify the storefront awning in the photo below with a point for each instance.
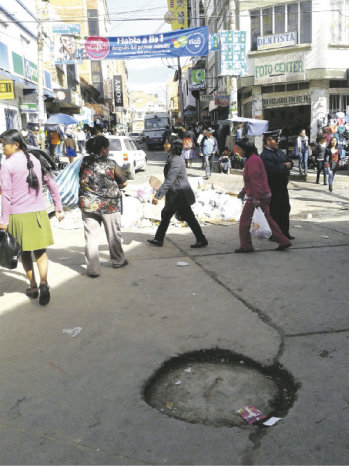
(17, 79)
(255, 127)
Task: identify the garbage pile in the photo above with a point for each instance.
(213, 205)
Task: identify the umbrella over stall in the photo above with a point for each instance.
(59, 119)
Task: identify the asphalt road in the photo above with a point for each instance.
(81, 400)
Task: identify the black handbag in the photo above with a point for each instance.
(10, 250)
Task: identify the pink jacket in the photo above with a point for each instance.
(17, 196)
(255, 179)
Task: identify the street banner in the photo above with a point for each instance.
(118, 94)
(198, 79)
(233, 53)
(184, 43)
(177, 14)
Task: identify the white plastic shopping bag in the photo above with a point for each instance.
(260, 227)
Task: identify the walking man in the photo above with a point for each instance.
(278, 169)
(209, 148)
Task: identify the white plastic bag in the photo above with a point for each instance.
(260, 227)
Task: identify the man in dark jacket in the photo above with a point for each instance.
(278, 169)
(179, 196)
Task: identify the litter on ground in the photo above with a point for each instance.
(182, 264)
(73, 332)
(251, 414)
(272, 421)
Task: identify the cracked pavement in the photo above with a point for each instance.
(79, 400)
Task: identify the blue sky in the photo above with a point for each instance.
(148, 75)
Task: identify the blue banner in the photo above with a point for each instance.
(182, 43)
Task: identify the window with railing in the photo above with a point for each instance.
(293, 17)
(340, 21)
(338, 103)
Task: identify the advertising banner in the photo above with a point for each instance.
(118, 94)
(279, 69)
(198, 79)
(213, 42)
(184, 43)
(233, 53)
(66, 28)
(177, 14)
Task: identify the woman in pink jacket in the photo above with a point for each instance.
(23, 208)
(257, 192)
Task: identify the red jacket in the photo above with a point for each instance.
(255, 179)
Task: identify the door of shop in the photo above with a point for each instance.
(291, 120)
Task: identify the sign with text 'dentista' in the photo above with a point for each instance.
(279, 69)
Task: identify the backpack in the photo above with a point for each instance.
(187, 143)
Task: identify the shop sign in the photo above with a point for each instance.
(62, 95)
(30, 70)
(7, 91)
(280, 68)
(276, 41)
(28, 108)
(177, 14)
(286, 101)
(118, 94)
(222, 100)
(206, 98)
(198, 79)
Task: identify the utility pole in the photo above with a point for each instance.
(42, 15)
(233, 81)
(181, 103)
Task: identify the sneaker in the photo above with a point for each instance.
(93, 275)
(155, 242)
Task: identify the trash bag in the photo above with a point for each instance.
(260, 227)
(9, 250)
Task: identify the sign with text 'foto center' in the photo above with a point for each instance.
(118, 94)
(279, 69)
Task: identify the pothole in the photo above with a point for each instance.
(209, 386)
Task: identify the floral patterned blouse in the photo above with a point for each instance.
(99, 185)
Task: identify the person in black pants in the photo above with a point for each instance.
(179, 196)
(278, 169)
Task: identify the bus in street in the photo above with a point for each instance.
(154, 127)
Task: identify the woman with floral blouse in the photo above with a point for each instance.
(100, 202)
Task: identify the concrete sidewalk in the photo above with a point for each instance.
(80, 400)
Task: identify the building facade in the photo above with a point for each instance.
(18, 65)
(297, 64)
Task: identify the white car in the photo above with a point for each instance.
(126, 154)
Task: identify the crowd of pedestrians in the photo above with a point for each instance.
(265, 178)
